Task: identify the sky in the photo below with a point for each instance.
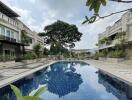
(36, 14)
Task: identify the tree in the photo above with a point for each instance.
(37, 49)
(57, 49)
(45, 51)
(61, 34)
(95, 6)
(24, 38)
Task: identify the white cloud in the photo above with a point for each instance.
(38, 13)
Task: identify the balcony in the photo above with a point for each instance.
(2, 37)
(8, 20)
(111, 44)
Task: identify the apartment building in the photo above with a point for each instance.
(10, 34)
(123, 28)
(35, 39)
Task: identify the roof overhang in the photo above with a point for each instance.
(7, 11)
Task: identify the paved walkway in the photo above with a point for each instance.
(121, 71)
(14, 73)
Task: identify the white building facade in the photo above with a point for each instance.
(123, 25)
(10, 33)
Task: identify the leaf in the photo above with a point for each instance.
(103, 2)
(91, 7)
(31, 98)
(92, 19)
(17, 92)
(40, 91)
(97, 6)
(89, 2)
(86, 20)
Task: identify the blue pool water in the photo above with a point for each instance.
(68, 81)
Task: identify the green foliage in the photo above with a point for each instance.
(96, 56)
(61, 33)
(66, 55)
(17, 92)
(45, 51)
(102, 54)
(117, 54)
(24, 38)
(7, 58)
(91, 19)
(40, 91)
(56, 49)
(31, 98)
(37, 49)
(30, 56)
(120, 35)
(105, 40)
(34, 97)
(95, 4)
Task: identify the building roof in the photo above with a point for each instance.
(7, 11)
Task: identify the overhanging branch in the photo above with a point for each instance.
(114, 13)
(121, 1)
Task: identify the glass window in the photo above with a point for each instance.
(12, 34)
(17, 36)
(3, 31)
(7, 52)
(8, 33)
(0, 30)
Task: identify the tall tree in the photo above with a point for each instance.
(94, 5)
(61, 33)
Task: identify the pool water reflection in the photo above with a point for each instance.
(68, 81)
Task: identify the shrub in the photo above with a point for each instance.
(45, 51)
(116, 54)
(7, 58)
(30, 55)
(96, 56)
(37, 49)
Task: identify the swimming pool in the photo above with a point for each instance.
(68, 81)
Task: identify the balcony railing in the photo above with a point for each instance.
(2, 37)
(8, 20)
(111, 44)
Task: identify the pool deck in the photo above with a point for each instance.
(121, 71)
(14, 73)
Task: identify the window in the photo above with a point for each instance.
(7, 52)
(16, 36)
(2, 31)
(12, 34)
(8, 33)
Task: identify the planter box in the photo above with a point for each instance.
(102, 58)
(115, 60)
